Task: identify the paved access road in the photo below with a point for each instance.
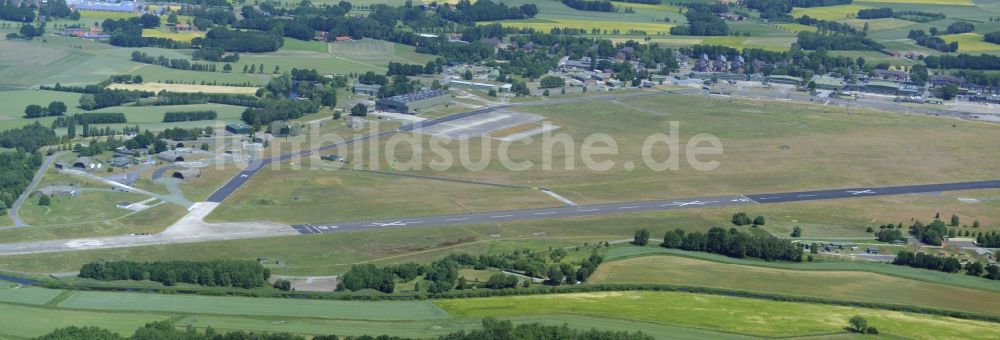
(642, 206)
(18, 222)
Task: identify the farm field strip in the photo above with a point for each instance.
(845, 285)
(196, 304)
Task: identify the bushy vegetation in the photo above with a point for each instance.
(834, 42)
(827, 25)
(176, 63)
(100, 118)
(590, 5)
(932, 234)
(17, 169)
(960, 27)
(28, 138)
(108, 98)
(185, 116)
(875, 13)
(491, 329)
(734, 243)
(221, 273)
(549, 82)
(702, 21)
(932, 42)
(240, 41)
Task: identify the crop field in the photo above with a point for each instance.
(185, 88)
(24, 64)
(105, 15)
(12, 104)
(373, 54)
(197, 304)
(738, 315)
(29, 322)
(971, 42)
(823, 264)
(829, 12)
(842, 285)
(27, 295)
(178, 36)
(878, 57)
(884, 24)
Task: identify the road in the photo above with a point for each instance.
(18, 222)
(244, 176)
(641, 206)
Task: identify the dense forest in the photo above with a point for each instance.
(485, 10)
(222, 273)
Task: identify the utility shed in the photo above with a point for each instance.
(411, 103)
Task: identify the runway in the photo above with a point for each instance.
(640, 206)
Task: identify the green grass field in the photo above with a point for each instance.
(821, 149)
(27, 295)
(196, 304)
(89, 206)
(971, 42)
(28, 322)
(738, 315)
(926, 2)
(842, 285)
(829, 12)
(185, 36)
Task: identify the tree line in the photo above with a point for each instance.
(221, 273)
(108, 98)
(835, 42)
(992, 37)
(177, 98)
(29, 138)
(931, 41)
(55, 108)
(964, 61)
(946, 264)
(875, 13)
(734, 243)
(175, 63)
(186, 116)
(590, 5)
(490, 329)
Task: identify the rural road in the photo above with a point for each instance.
(18, 222)
(641, 206)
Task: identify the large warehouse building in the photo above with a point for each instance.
(412, 103)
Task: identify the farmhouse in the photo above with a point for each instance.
(411, 103)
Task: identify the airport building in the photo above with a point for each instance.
(412, 103)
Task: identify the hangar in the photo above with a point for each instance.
(411, 103)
